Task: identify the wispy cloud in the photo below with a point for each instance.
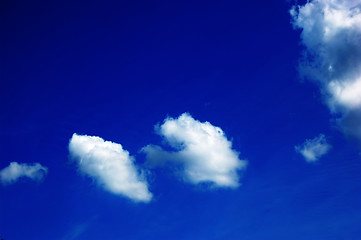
(15, 171)
(331, 34)
(202, 151)
(110, 165)
(313, 149)
(76, 232)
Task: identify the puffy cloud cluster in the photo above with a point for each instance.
(110, 165)
(331, 34)
(313, 149)
(202, 151)
(15, 171)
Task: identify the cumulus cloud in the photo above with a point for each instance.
(15, 171)
(313, 149)
(331, 34)
(110, 165)
(203, 152)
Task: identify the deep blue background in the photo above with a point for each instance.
(115, 69)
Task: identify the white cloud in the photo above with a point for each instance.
(15, 171)
(203, 152)
(313, 149)
(331, 34)
(110, 165)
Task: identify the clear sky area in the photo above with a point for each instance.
(180, 120)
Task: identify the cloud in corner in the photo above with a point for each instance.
(110, 165)
(15, 171)
(202, 150)
(313, 149)
(331, 35)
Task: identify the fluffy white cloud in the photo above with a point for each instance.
(14, 171)
(331, 34)
(110, 165)
(313, 149)
(203, 152)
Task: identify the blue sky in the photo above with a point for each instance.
(180, 120)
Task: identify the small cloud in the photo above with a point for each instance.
(15, 171)
(313, 149)
(202, 151)
(331, 35)
(110, 165)
(76, 232)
